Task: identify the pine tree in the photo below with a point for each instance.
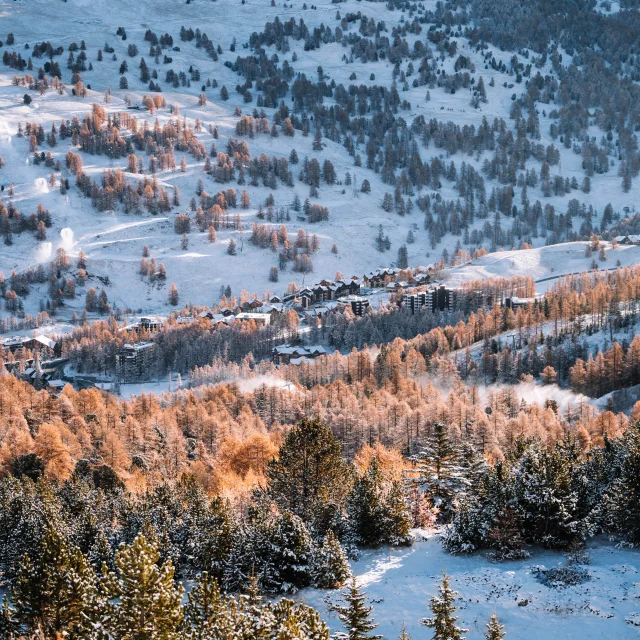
(207, 615)
(330, 565)
(174, 296)
(495, 631)
(356, 615)
(56, 591)
(293, 551)
(439, 464)
(8, 622)
(403, 261)
(309, 473)
(403, 633)
(366, 513)
(397, 518)
(621, 504)
(443, 608)
(145, 602)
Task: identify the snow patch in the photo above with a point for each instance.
(41, 185)
(45, 250)
(67, 238)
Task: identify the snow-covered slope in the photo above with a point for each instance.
(399, 583)
(543, 264)
(113, 241)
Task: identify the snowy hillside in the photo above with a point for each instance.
(113, 240)
(399, 583)
(543, 264)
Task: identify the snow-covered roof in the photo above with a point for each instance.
(245, 315)
(47, 342)
(353, 298)
(139, 346)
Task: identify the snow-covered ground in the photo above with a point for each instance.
(399, 583)
(543, 264)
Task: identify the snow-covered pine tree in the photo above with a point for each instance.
(441, 472)
(330, 568)
(495, 631)
(547, 488)
(397, 519)
(355, 615)
(8, 622)
(56, 591)
(297, 618)
(365, 508)
(474, 466)
(621, 505)
(443, 608)
(504, 536)
(144, 599)
(293, 551)
(207, 614)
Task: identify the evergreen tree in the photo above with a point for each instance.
(356, 615)
(293, 551)
(8, 622)
(397, 518)
(403, 261)
(57, 590)
(495, 631)
(309, 474)
(207, 615)
(330, 565)
(144, 600)
(439, 463)
(365, 507)
(443, 608)
(622, 499)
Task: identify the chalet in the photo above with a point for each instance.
(358, 304)
(420, 278)
(275, 300)
(377, 277)
(347, 288)
(286, 354)
(39, 343)
(274, 309)
(252, 306)
(629, 239)
(323, 291)
(133, 361)
(219, 319)
(515, 302)
(261, 319)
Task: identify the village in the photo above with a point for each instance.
(37, 359)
